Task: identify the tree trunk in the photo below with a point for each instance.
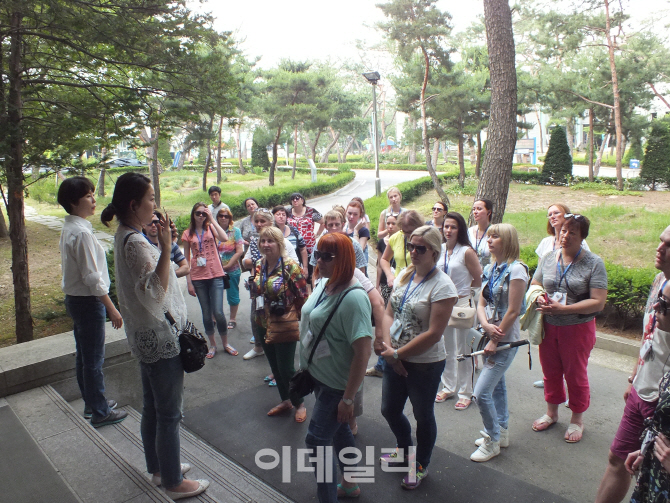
(617, 102)
(238, 141)
(295, 151)
(218, 153)
(208, 159)
(339, 153)
(569, 128)
(155, 169)
(335, 137)
(591, 144)
(101, 183)
(316, 143)
(478, 166)
(182, 158)
(539, 127)
(436, 152)
(14, 166)
(4, 232)
(596, 168)
(445, 152)
(347, 147)
(497, 169)
(461, 154)
(412, 148)
(473, 152)
(273, 164)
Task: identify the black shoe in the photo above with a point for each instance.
(88, 412)
(116, 416)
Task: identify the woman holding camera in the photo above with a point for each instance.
(340, 356)
(205, 280)
(575, 281)
(147, 288)
(416, 316)
(280, 291)
(503, 288)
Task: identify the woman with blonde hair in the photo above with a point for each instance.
(416, 316)
(500, 304)
(395, 198)
(279, 287)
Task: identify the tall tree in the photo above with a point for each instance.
(501, 141)
(418, 27)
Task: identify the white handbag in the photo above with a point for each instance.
(462, 317)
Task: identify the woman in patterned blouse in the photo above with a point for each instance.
(303, 218)
(278, 281)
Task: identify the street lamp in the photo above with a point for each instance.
(373, 78)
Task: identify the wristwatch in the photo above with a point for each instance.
(395, 354)
(347, 401)
(631, 379)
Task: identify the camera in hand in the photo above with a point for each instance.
(277, 308)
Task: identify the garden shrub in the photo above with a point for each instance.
(627, 291)
(656, 162)
(259, 151)
(557, 167)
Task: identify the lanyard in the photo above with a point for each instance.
(404, 246)
(479, 241)
(264, 278)
(565, 272)
(323, 292)
(406, 296)
(495, 280)
(447, 259)
(200, 237)
(143, 235)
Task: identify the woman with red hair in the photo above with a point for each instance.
(335, 347)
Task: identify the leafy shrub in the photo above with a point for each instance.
(656, 162)
(529, 257)
(557, 167)
(259, 151)
(627, 290)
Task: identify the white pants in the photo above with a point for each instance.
(457, 376)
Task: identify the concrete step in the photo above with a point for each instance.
(91, 467)
(229, 482)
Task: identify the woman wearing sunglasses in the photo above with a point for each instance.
(230, 252)
(340, 356)
(416, 316)
(500, 304)
(459, 261)
(303, 218)
(205, 279)
(575, 282)
(439, 210)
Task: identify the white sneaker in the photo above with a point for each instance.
(486, 451)
(504, 438)
(253, 354)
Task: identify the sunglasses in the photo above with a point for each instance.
(437, 208)
(154, 222)
(418, 248)
(296, 198)
(574, 215)
(325, 256)
(200, 214)
(223, 215)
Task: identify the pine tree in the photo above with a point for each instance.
(259, 152)
(656, 162)
(558, 162)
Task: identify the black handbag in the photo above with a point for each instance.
(302, 382)
(193, 346)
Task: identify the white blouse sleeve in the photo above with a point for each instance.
(141, 258)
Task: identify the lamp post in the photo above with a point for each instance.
(373, 78)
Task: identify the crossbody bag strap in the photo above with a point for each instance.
(330, 316)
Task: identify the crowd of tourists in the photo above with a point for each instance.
(441, 289)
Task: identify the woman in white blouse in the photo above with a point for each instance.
(147, 291)
(482, 213)
(555, 220)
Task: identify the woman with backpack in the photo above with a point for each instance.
(205, 280)
(575, 281)
(501, 302)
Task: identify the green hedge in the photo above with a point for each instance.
(269, 197)
(388, 167)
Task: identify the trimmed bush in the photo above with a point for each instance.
(656, 162)
(259, 151)
(558, 162)
(627, 291)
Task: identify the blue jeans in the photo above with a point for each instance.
(89, 316)
(324, 430)
(491, 393)
(163, 389)
(210, 296)
(381, 363)
(420, 386)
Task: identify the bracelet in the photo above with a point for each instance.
(631, 378)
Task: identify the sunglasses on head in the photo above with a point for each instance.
(418, 248)
(325, 256)
(574, 215)
(200, 214)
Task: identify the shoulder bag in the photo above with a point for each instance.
(302, 383)
(462, 317)
(282, 327)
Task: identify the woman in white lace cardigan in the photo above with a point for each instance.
(147, 288)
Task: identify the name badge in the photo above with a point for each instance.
(560, 297)
(490, 313)
(260, 303)
(396, 330)
(201, 261)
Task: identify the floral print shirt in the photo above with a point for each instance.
(270, 284)
(227, 248)
(305, 225)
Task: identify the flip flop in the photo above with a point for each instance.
(544, 420)
(462, 404)
(232, 324)
(211, 352)
(300, 415)
(348, 492)
(574, 428)
(443, 396)
(268, 378)
(272, 383)
(230, 350)
(279, 409)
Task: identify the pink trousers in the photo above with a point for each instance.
(564, 354)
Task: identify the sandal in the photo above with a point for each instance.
(211, 352)
(268, 378)
(574, 428)
(231, 324)
(348, 492)
(300, 415)
(544, 423)
(230, 350)
(443, 396)
(272, 383)
(279, 409)
(462, 404)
